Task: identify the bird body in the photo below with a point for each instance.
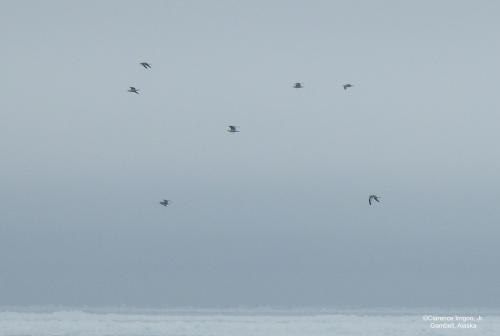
(373, 197)
(146, 65)
(298, 86)
(133, 89)
(233, 129)
(165, 202)
(346, 86)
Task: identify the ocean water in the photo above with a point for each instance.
(129, 322)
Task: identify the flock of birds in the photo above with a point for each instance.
(235, 129)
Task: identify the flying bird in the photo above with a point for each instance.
(146, 65)
(373, 197)
(298, 86)
(133, 89)
(233, 129)
(346, 86)
(165, 202)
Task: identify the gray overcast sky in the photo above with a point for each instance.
(277, 214)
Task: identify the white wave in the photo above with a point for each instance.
(238, 323)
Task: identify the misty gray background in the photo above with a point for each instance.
(277, 214)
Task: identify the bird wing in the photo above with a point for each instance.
(370, 200)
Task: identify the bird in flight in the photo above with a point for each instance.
(133, 89)
(165, 202)
(233, 129)
(373, 197)
(146, 65)
(346, 86)
(298, 86)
